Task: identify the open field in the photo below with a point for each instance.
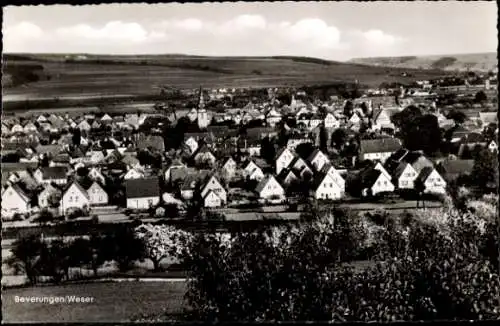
(42, 77)
(453, 62)
(113, 302)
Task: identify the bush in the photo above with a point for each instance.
(426, 272)
(95, 219)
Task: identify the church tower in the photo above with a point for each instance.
(203, 120)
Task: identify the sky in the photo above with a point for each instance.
(328, 30)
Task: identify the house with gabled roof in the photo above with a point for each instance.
(84, 126)
(374, 182)
(433, 182)
(253, 172)
(133, 174)
(324, 187)
(269, 188)
(97, 194)
(192, 144)
(404, 176)
(17, 128)
(51, 174)
(287, 177)
(330, 121)
(96, 175)
(106, 118)
(142, 193)
(215, 186)
(74, 197)
(378, 149)
(381, 168)
(48, 192)
(382, 119)
(15, 200)
(283, 159)
(335, 174)
(451, 169)
(229, 167)
(204, 156)
(212, 200)
(318, 159)
(29, 127)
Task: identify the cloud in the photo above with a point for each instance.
(312, 31)
(241, 35)
(112, 31)
(378, 37)
(24, 30)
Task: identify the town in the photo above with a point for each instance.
(250, 162)
(281, 148)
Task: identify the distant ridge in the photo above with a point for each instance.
(454, 62)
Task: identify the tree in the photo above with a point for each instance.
(339, 137)
(485, 170)
(161, 241)
(123, 247)
(304, 150)
(55, 260)
(480, 97)
(348, 108)
(44, 217)
(458, 116)
(267, 150)
(323, 139)
(76, 137)
(429, 271)
(26, 256)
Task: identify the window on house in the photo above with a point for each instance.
(76, 198)
(150, 202)
(70, 199)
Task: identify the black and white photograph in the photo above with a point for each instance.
(328, 161)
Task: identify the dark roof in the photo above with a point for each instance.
(473, 137)
(369, 177)
(54, 172)
(382, 145)
(457, 167)
(139, 188)
(424, 173)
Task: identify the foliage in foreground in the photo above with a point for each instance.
(428, 269)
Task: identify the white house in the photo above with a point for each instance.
(283, 159)
(404, 176)
(229, 167)
(287, 177)
(330, 121)
(318, 159)
(375, 182)
(378, 149)
(325, 187)
(253, 171)
(269, 188)
(212, 200)
(97, 194)
(142, 193)
(52, 174)
(192, 144)
(273, 117)
(493, 146)
(96, 175)
(133, 174)
(432, 181)
(84, 126)
(213, 185)
(381, 168)
(15, 200)
(95, 157)
(335, 175)
(75, 197)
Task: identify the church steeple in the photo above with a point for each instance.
(201, 100)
